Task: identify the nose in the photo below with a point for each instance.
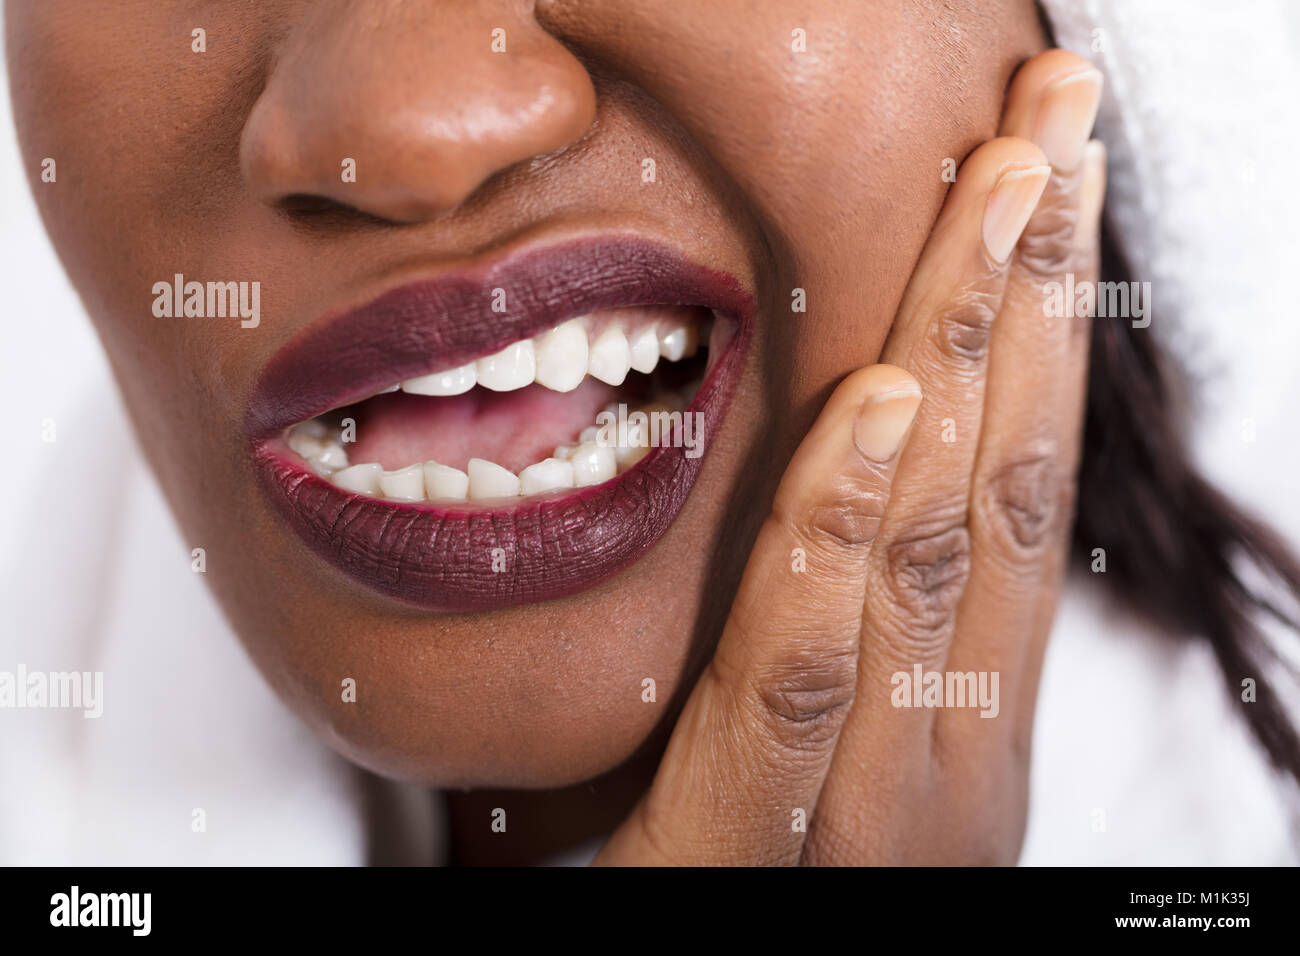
(402, 109)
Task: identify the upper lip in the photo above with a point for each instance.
(436, 556)
(446, 321)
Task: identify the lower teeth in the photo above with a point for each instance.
(596, 456)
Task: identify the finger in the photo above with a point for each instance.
(1091, 195)
(1053, 101)
(1053, 84)
(1022, 496)
(941, 335)
(917, 564)
(750, 751)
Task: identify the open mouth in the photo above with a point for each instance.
(507, 433)
(571, 407)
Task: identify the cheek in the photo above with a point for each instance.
(837, 137)
(142, 130)
(144, 133)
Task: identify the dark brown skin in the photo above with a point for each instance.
(818, 170)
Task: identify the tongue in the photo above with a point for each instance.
(513, 429)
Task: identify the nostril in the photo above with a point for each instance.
(305, 204)
(319, 212)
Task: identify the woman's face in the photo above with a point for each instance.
(415, 185)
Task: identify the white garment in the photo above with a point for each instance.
(94, 574)
(96, 578)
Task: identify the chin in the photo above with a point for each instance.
(525, 698)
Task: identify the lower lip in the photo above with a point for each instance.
(459, 558)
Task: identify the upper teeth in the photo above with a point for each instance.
(513, 367)
(610, 357)
(451, 382)
(643, 352)
(560, 358)
(678, 343)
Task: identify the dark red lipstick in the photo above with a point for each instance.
(473, 555)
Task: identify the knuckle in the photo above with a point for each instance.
(927, 575)
(1026, 502)
(1046, 246)
(965, 325)
(804, 696)
(843, 524)
(853, 515)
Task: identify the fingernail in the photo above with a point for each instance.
(1092, 190)
(1065, 117)
(1009, 207)
(884, 420)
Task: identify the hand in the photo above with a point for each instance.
(948, 557)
